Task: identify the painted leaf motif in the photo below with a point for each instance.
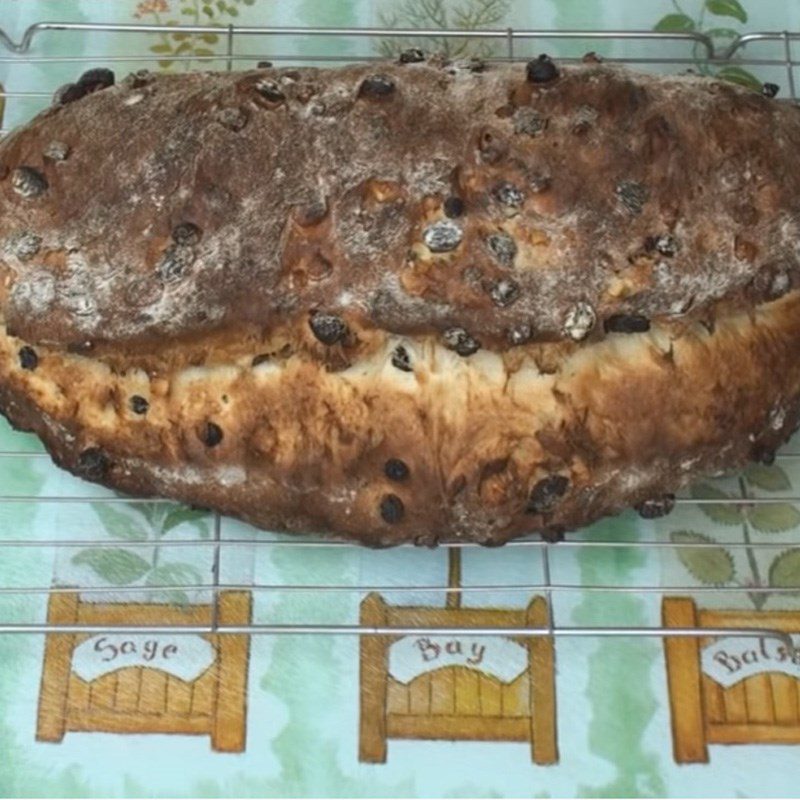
(774, 518)
(119, 524)
(727, 8)
(202, 527)
(173, 573)
(154, 513)
(203, 51)
(768, 477)
(161, 48)
(740, 76)
(784, 572)
(116, 566)
(712, 566)
(674, 23)
(175, 597)
(724, 514)
(183, 514)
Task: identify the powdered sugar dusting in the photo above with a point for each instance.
(34, 293)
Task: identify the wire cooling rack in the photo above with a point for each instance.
(30, 51)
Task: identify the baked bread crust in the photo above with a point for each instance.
(405, 302)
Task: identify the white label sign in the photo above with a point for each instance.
(186, 657)
(497, 656)
(734, 658)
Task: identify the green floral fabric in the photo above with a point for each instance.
(302, 718)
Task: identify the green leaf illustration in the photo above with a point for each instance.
(161, 48)
(174, 574)
(674, 23)
(774, 518)
(771, 478)
(203, 51)
(180, 37)
(175, 597)
(740, 76)
(116, 566)
(210, 38)
(154, 513)
(784, 572)
(727, 8)
(119, 524)
(724, 514)
(196, 516)
(712, 566)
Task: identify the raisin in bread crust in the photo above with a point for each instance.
(403, 303)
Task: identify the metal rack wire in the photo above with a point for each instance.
(24, 52)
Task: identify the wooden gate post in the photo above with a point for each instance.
(684, 681)
(541, 654)
(228, 733)
(51, 723)
(373, 680)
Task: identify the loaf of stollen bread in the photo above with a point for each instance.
(417, 301)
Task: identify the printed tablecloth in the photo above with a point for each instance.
(298, 714)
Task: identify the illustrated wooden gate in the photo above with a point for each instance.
(763, 708)
(456, 702)
(139, 699)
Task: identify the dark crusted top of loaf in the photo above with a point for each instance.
(417, 198)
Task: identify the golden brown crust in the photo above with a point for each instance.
(305, 448)
(431, 305)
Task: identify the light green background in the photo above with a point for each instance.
(302, 734)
